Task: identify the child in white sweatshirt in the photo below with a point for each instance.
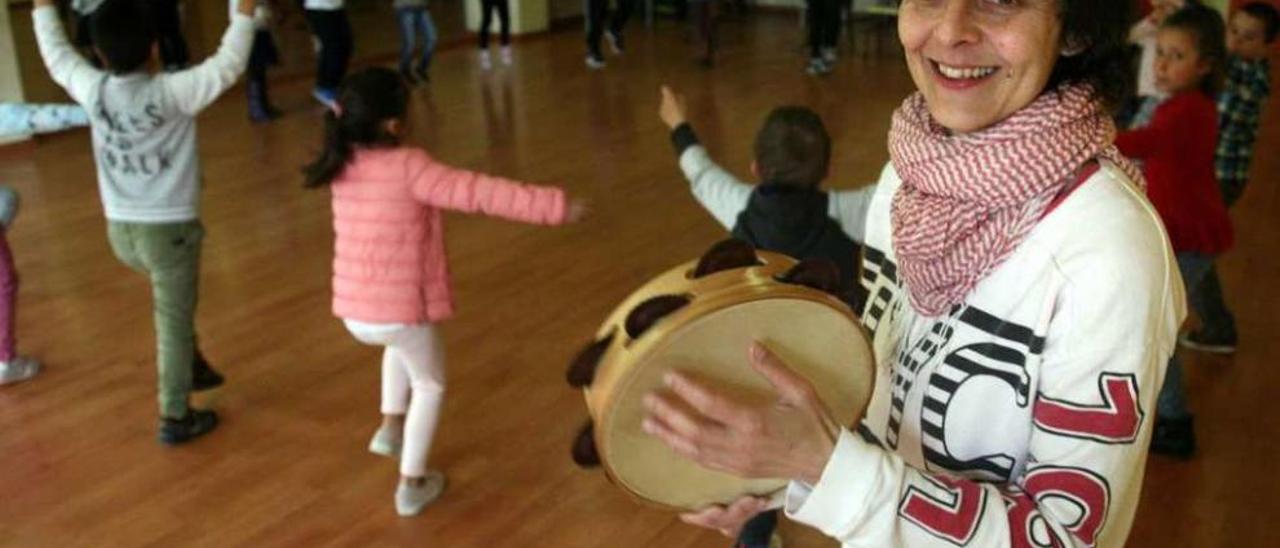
(144, 140)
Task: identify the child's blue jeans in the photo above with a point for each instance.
(415, 21)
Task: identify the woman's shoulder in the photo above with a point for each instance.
(1107, 229)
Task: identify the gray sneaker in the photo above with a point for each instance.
(817, 67)
(18, 369)
(411, 500)
(385, 443)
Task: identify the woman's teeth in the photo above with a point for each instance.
(957, 73)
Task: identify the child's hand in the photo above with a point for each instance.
(672, 110)
(577, 210)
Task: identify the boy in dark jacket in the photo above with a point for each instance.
(787, 212)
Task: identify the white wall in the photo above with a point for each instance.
(564, 9)
(10, 76)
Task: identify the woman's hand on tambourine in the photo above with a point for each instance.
(730, 519)
(792, 438)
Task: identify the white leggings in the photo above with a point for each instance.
(413, 362)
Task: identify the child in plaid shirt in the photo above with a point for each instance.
(1252, 30)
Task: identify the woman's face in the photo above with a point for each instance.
(978, 61)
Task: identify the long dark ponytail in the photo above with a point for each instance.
(366, 100)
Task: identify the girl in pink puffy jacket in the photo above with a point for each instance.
(390, 273)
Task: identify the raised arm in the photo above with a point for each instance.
(1160, 135)
(722, 194)
(28, 119)
(195, 88)
(67, 68)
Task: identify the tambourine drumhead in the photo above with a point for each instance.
(814, 333)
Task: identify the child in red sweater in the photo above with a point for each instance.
(1177, 153)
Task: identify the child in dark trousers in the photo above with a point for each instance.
(824, 30)
(702, 19)
(262, 57)
(1252, 30)
(1177, 150)
(487, 9)
(603, 24)
(331, 27)
(786, 213)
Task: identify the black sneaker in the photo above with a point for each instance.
(203, 377)
(1199, 340)
(1174, 438)
(198, 422)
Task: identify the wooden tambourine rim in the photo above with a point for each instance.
(712, 293)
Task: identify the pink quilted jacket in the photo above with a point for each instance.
(389, 263)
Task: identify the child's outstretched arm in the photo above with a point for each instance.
(446, 187)
(1162, 134)
(195, 88)
(67, 68)
(29, 119)
(722, 194)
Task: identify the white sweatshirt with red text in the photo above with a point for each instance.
(1022, 417)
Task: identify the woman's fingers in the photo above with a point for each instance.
(704, 400)
(729, 520)
(683, 445)
(792, 387)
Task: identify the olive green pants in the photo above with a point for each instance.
(169, 255)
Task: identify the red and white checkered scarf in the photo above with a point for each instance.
(968, 200)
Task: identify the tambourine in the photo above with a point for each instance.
(701, 318)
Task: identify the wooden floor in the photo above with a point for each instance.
(79, 464)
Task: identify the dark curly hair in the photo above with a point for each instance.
(1100, 28)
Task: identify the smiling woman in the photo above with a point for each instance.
(1023, 306)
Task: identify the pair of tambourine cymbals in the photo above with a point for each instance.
(700, 318)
